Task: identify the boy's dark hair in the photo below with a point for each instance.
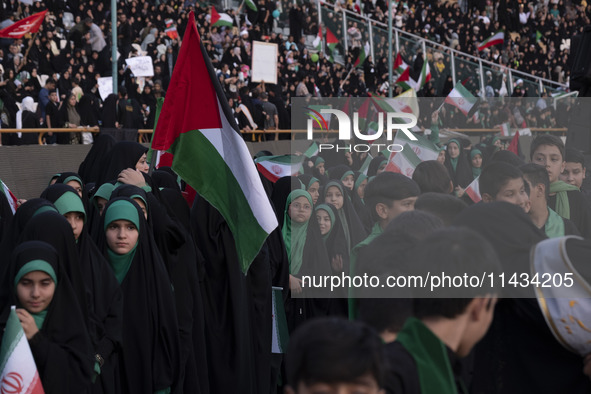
(388, 187)
(537, 174)
(495, 175)
(332, 350)
(574, 156)
(546, 139)
(432, 176)
(445, 206)
(507, 157)
(385, 314)
(455, 251)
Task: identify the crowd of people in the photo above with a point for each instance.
(133, 282)
(73, 49)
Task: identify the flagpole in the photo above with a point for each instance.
(153, 160)
(347, 77)
(31, 44)
(390, 48)
(114, 45)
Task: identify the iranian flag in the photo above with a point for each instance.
(318, 40)
(312, 150)
(196, 125)
(275, 167)
(473, 190)
(399, 64)
(218, 19)
(363, 54)
(12, 201)
(505, 129)
(30, 24)
(425, 75)
(18, 372)
(172, 32)
(495, 39)
(461, 98)
(403, 162)
(250, 4)
(422, 147)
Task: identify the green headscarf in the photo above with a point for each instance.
(36, 265)
(294, 234)
(554, 226)
(454, 161)
(326, 208)
(73, 178)
(346, 174)
(562, 203)
(121, 210)
(359, 181)
(45, 208)
(104, 191)
(312, 181)
(319, 160)
(475, 171)
(70, 202)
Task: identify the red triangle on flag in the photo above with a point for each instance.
(215, 16)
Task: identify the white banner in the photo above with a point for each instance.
(141, 66)
(105, 86)
(264, 62)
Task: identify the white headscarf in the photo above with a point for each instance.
(28, 104)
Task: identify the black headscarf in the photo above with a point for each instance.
(5, 216)
(91, 167)
(124, 154)
(462, 174)
(109, 113)
(151, 355)
(104, 299)
(62, 348)
(163, 179)
(374, 165)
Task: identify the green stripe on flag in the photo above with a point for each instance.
(13, 333)
(195, 161)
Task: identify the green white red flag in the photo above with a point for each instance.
(403, 162)
(496, 39)
(473, 190)
(12, 200)
(275, 167)
(18, 372)
(461, 98)
(196, 125)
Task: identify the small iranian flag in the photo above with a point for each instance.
(495, 39)
(403, 162)
(196, 125)
(18, 372)
(505, 129)
(250, 4)
(218, 19)
(461, 98)
(318, 40)
(12, 200)
(363, 54)
(422, 147)
(280, 335)
(275, 167)
(172, 33)
(473, 190)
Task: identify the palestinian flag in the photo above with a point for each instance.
(250, 4)
(222, 19)
(473, 190)
(30, 24)
(196, 125)
(363, 54)
(425, 75)
(496, 39)
(399, 64)
(318, 40)
(331, 43)
(422, 147)
(403, 162)
(461, 98)
(275, 167)
(12, 200)
(514, 145)
(18, 372)
(406, 81)
(280, 335)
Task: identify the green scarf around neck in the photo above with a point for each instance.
(475, 171)
(562, 203)
(454, 161)
(554, 226)
(294, 234)
(430, 354)
(121, 263)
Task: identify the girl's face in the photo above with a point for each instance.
(35, 291)
(100, 203)
(441, 157)
(349, 181)
(361, 189)
(477, 161)
(300, 210)
(314, 191)
(76, 186)
(142, 164)
(76, 220)
(72, 101)
(122, 236)
(453, 150)
(381, 168)
(142, 205)
(334, 197)
(321, 169)
(323, 221)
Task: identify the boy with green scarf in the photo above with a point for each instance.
(543, 217)
(426, 357)
(567, 200)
